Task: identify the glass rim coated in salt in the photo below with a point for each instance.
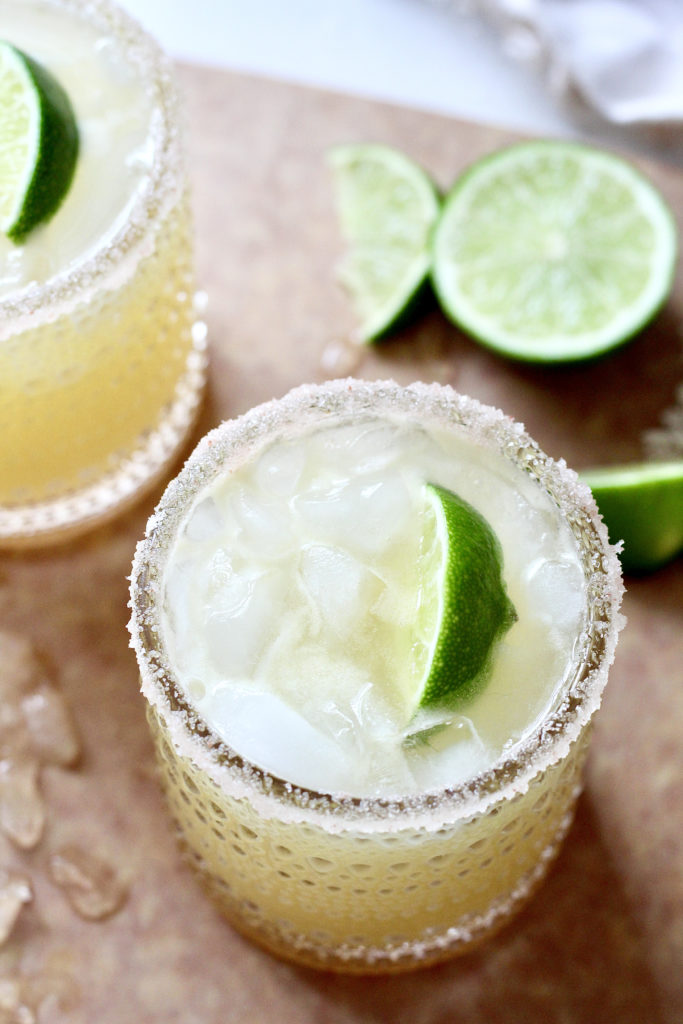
(122, 275)
(544, 767)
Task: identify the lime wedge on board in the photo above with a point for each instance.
(642, 505)
(387, 208)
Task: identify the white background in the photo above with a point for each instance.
(439, 55)
(418, 53)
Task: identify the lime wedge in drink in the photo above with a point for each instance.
(552, 251)
(38, 143)
(642, 504)
(464, 607)
(387, 208)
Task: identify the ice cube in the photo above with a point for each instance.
(557, 590)
(224, 588)
(241, 620)
(205, 522)
(279, 469)
(22, 810)
(265, 524)
(271, 734)
(91, 885)
(375, 448)
(50, 726)
(446, 754)
(340, 586)
(20, 666)
(15, 891)
(363, 515)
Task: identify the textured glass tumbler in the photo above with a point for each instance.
(372, 885)
(102, 364)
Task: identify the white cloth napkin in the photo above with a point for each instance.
(623, 57)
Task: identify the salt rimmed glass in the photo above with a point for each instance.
(102, 366)
(377, 884)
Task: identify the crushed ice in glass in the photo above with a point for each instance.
(291, 596)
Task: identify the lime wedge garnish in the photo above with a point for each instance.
(387, 208)
(552, 251)
(464, 607)
(38, 143)
(642, 505)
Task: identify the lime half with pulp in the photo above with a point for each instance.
(38, 143)
(387, 208)
(553, 251)
(464, 607)
(642, 505)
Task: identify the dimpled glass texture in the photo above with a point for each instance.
(372, 885)
(102, 367)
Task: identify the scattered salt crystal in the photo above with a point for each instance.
(22, 810)
(15, 892)
(50, 727)
(90, 884)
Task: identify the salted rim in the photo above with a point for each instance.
(235, 441)
(166, 176)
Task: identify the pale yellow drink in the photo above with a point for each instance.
(101, 361)
(328, 840)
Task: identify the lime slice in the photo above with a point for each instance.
(552, 251)
(387, 208)
(464, 608)
(642, 504)
(38, 143)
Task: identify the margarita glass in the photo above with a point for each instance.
(102, 358)
(391, 879)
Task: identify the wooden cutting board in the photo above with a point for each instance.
(603, 940)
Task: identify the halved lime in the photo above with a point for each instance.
(552, 251)
(464, 607)
(642, 505)
(387, 208)
(38, 143)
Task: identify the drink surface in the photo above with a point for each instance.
(292, 586)
(113, 114)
